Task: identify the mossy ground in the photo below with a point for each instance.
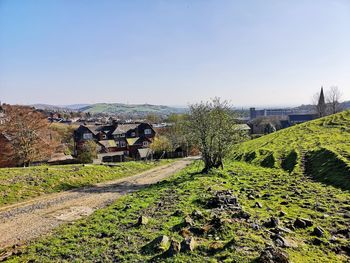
(110, 234)
(19, 184)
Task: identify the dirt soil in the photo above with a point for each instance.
(22, 222)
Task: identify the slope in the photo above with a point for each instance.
(320, 148)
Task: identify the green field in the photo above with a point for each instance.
(19, 184)
(298, 203)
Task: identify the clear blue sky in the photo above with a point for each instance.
(266, 52)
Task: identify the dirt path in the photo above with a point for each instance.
(22, 222)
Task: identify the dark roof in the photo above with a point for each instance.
(301, 117)
(124, 128)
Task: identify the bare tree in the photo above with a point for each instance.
(212, 128)
(333, 98)
(28, 133)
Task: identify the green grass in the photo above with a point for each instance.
(19, 184)
(323, 145)
(110, 234)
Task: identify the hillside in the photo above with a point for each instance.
(320, 148)
(140, 109)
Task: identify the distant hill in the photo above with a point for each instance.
(320, 147)
(114, 108)
(140, 109)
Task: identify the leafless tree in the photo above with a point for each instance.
(333, 98)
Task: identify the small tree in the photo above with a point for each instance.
(87, 152)
(161, 144)
(211, 126)
(28, 133)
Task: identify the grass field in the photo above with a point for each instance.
(110, 235)
(19, 184)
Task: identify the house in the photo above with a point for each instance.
(116, 140)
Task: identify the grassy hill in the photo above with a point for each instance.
(320, 148)
(244, 213)
(140, 109)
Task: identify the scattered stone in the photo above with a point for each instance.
(258, 205)
(280, 241)
(174, 248)
(242, 214)
(317, 242)
(196, 214)
(318, 231)
(255, 226)
(282, 213)
(280, 230)
(273, 255)
(272, 222)
(266, 196)
(251, 197)
(126, 207)
(302, 223)
(143, 220)
(178, 213)
(188, 221)
(188, 244)
(184, 232)
(159, 244)
(224, 200)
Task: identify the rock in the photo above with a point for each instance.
(282, 213)
(280, 230)
(302, 223)
(317, 242)
(126, 207)
(284, 203)
(242, 214)
(188, 244)
(255, 226)
(188, 221)
(280, 241)
(143, 220)
(318, 231)
(174, 248)
(224, 200)
(266, 196)
(251, 197)
(258, 205)
(178, 213)
(159, 244)
(272, 222)
(273, 255)
(196, 214)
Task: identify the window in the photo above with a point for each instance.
(148, 131)
(145, 144)
(87, 136)
(104, 136)
(122, 135)
(122, 144)
(133, 134)
(117, 143)
(116, 136)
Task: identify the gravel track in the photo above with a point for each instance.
(25, 221)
